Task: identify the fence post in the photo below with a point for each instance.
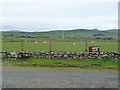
(22, 46)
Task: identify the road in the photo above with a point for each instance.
(24, 77)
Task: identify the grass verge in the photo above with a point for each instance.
(45, 62)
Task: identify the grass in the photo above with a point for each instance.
(63, 46)
(84, 63)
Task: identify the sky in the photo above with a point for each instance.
(45, 15)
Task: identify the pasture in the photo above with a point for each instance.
(72, 44)
(105, 46)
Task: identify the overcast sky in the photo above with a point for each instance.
(41, 15)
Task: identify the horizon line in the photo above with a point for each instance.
(36, 30)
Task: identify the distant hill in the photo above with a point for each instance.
(74, 32)
(85, 32)
(112, 30)
(12, 31)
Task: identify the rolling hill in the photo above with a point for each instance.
(71, 33)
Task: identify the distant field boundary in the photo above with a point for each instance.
(38, 41)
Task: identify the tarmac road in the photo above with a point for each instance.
(17, 77)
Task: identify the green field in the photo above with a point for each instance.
(63, 46)
(45, 62)
(73, 40)
(11, 40)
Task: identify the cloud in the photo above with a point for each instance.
(55, 1)
(63, 14)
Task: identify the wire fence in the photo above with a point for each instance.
(59, 41)
(58, 46)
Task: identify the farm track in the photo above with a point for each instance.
(24, 77)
